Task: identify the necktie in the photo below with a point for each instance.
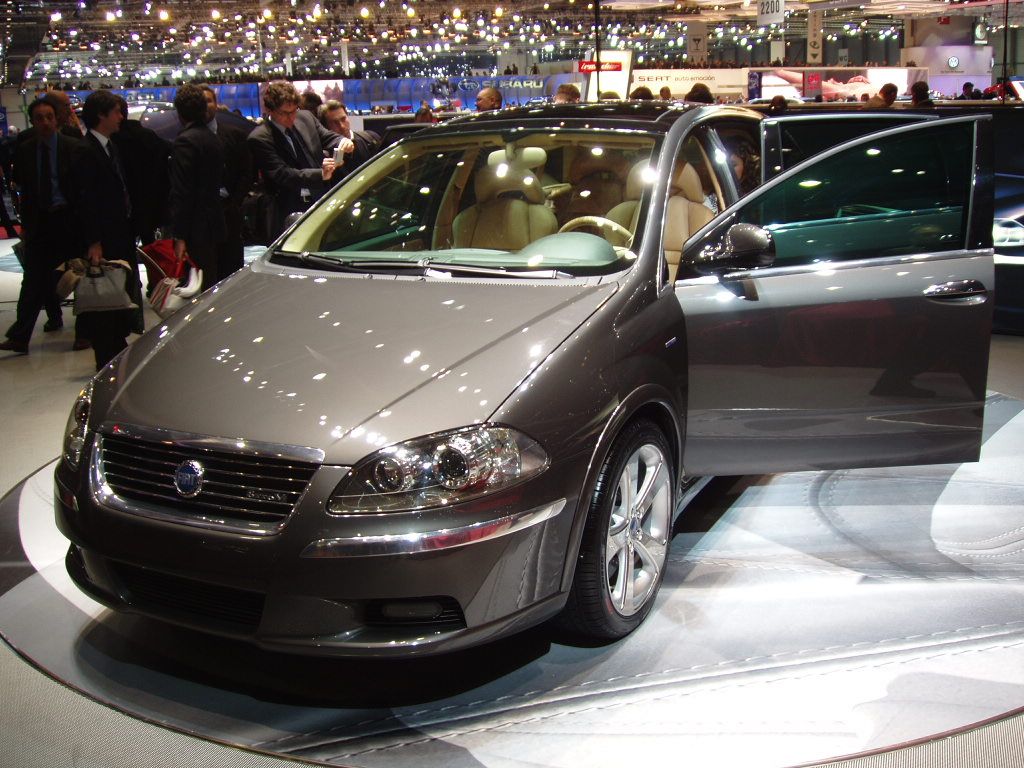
(45, 177)
(115, 161)
(301, 158)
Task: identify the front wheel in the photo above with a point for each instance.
(625, 539)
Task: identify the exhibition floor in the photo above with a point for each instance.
(804, 617)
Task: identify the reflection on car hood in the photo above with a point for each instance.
(343, 363)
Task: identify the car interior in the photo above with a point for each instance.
(492, 195)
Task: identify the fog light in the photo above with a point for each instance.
(417, 610)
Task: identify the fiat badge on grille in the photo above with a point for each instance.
(188, 478)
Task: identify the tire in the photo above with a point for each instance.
(625, 539)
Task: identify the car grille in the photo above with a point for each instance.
(236, 609)
(239, 490)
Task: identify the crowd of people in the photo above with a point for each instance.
(98, 188)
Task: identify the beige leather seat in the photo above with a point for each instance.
(627, 212)
(509, 212)
(598, 183)
(685, 213)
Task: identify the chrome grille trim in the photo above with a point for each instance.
(248, 488)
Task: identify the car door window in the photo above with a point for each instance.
(801, 138)
(740, 157)
(894, 195)
(695, 197)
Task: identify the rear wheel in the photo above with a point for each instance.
(626, 536)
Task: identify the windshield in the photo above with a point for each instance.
(558, 201)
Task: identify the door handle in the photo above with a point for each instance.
(966, 291)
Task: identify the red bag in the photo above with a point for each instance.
(168, 295)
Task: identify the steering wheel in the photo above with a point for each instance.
(595, 221)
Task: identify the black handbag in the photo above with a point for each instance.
(102, 288)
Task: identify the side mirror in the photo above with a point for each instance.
(745, 246)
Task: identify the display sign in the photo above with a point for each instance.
(406, 94)
(697, 42)
(753, 84)
(612, 81)
(770, 12)
(722, 82)
(815, 45)
(836, 83)
(243, 97)
(605, 66)
(812, 84)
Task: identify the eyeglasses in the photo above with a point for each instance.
(287, 112)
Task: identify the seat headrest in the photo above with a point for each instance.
(636, 180)
(492, 181)
(533, 158)
(687, 183)
(586, 163)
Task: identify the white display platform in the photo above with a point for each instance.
(803, 617)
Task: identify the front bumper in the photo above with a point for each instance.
(377, 585)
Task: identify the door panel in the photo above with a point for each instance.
(868, 347)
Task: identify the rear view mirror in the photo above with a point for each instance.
(745, 246)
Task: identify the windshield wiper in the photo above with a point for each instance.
(462, 269)
(420, 266)
(313, 260)
(526, 274)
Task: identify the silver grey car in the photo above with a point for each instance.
(471, 388)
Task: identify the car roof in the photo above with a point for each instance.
(655, 116)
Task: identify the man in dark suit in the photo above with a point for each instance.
(197, 186)
(334, 116)
(67, 125)
(106, 219)
(144, 156)
(238, 180)
(43, 170)
(293, 152)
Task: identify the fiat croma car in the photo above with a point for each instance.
(469, 390)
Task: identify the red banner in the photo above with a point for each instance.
(606, 66)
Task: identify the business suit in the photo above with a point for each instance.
(366, 144)
(286, 176)
(144, 156)
(106, 219)
(49, 228)
(195, 207)
(239, 176)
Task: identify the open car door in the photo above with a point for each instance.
(839, 315)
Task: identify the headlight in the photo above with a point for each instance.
(75, 431)
(448, 468)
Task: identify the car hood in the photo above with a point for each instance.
(341, 363)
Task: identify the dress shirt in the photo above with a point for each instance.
(57, 198)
